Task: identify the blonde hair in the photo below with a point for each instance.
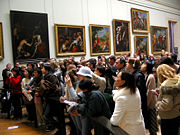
(164, 72)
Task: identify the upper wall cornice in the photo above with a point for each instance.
(155, 5)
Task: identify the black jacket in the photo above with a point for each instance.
(141, 85)
(94, 105)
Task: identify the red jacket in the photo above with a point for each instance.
(15, 84)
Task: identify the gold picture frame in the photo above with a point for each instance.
(159, 39)
(121, 36)
(70, 40)
(141, 44)
(100, 40)
(1, 42)
(140, 21)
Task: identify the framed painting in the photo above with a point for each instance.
(122, 36)
(141, 45)
(140, 21)
(1, 42)
(159, 39)
(100, 39)
(29, 36)
(70, 40)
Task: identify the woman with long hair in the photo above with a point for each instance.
(27, 97)
(127, 112)
(147, 67)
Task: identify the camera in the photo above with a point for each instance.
(9, 73)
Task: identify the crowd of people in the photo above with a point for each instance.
(128, 91)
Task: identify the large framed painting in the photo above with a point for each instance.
(29, 36)
(141, 45)
(100, 39)
(140, 21)
(122, 36)
(70, 40)
(159, 39)
(1, 42)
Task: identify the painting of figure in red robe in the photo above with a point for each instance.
(100, 39)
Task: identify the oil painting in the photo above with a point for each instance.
(141, 45)
(29, 36)
(140, 21)
(159, 39)
(100, 39)
(122, 36)
(70, 40)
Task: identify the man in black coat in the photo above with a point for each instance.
(6, 105)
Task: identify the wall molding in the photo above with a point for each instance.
(155, 6)
(165, 4)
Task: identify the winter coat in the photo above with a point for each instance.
(15, 84)
(94, 105)
(49, 87)
(151, 97)
(127, 113)
(168, 103)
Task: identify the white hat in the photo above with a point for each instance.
(85, 71)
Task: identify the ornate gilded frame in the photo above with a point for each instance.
(124, 45)
(140, 21)
(159, 39)
(1, 42)
(72, 37)
(100, 40)
(141, 43)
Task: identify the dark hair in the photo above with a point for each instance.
(47, 67)
(135, 62)
(87, 84)
(92, 61)
(31, 65)
(38, 69)
(101, 69)
(130, 81)
(174, 57)
(112, 57)
(166, 60)
(30, 73)
(122, 60)
(15, 69)
(99, 57)
(149, 67)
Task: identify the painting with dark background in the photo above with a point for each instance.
(121, 34)
(29, 36)
(70, 40)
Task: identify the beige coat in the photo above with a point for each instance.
(127, 113)
(168, 103)
(151, 98)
